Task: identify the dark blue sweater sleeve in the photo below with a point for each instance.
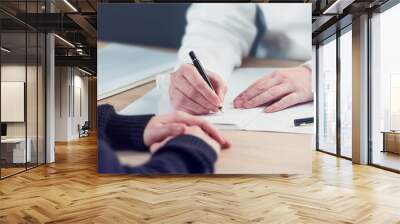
(181, 155)
(120, 131)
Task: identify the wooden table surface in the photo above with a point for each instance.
(251, 152)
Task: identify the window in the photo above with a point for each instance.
(385, 89)
(327, 96)
(346, 93)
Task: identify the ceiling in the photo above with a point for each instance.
(331, 15)
(72, 20)
(76, 22)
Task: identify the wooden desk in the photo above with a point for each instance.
(252, 152)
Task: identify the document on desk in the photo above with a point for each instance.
(255, 119)
(231, 118)
(283, 121)
(122, 67)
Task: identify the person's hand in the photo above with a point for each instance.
(173, 124)
(281, 89)
(190, 93)
(195, 131)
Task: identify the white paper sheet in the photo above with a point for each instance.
(121, 67)
(283, 121)
(232, 118)
(239, 119)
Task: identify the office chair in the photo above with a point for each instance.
(84, 130)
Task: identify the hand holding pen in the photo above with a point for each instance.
(191, 93)
(203, 73)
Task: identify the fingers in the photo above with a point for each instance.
(269, 95)
(209, 129)
(191, 74)
(283, 103)
(185, 87)
(199, 133)
(181, 102)
(158, 133)
(193, 89)
(219, 85)
(165, 131)
(156, 146)
(214, 133)
(255, 89)
(189, 120)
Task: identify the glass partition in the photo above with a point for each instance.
(41, 86)
(346, 93)
(22, 77)
(385, 89)
(13, 94)
(32, 98)
(327, 96)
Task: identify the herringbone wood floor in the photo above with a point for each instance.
(70, 191)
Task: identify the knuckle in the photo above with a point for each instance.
(273, 93)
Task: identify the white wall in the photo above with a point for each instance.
(33, 126)
(79, 117)
(12, 101)
(70, 83)
(12, 73)
(62, 81)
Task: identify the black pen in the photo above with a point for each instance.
(303, 121)
(200, 69)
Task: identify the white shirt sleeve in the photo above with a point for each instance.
(221, 35)
(309, 66)
(290, 35)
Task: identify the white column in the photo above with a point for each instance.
(360, 90)
(50, 99)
